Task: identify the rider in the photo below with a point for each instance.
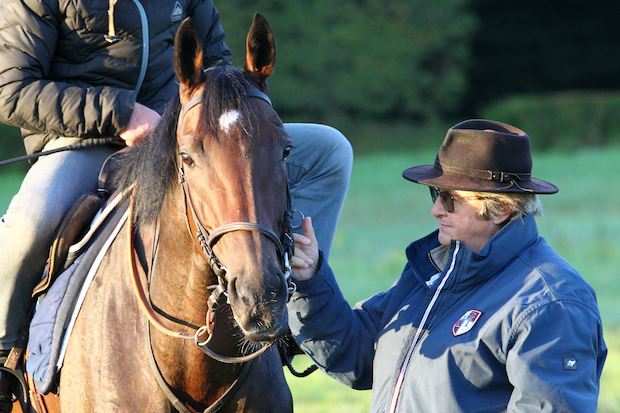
(72, 70)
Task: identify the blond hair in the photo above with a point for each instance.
(496, 204)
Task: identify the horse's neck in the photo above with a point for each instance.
(178, 285)
(180, 274)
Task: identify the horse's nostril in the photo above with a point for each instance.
(239, 292)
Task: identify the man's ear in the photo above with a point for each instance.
(503, 217)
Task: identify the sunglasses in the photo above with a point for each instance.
(447, 199)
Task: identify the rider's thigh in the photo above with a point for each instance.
(319, 170)
(52, 185)
(48, 191)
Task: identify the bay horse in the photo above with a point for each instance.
(212, 215)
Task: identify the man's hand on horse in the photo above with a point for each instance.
(143, 120)
(306, 256)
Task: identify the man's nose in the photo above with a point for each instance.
(438, 210)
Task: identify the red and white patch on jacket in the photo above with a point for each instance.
(466, 322)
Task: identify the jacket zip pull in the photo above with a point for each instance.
(111, 37)
(420, 333)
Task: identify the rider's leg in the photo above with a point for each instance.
(49, 189)
(319, 169)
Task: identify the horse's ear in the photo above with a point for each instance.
(260, 50)
(187, 57)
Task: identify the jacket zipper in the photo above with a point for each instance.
(145, 45)
(419, 332)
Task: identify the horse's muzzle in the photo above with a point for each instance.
(259, 312)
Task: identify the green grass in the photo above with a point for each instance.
(318, 393)
(383, 213)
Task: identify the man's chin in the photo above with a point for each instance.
(444, 239)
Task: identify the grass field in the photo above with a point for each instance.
(383, 213)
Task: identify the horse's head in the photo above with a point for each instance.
(231, 151)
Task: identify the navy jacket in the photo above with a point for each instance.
(512, 328)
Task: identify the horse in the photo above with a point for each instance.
(208, 236)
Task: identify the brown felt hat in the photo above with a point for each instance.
(484, 156)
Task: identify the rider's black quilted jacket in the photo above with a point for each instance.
(62, 74)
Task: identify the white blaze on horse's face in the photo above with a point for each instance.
(228, 119)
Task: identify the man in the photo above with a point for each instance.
(72, 70)
(486, 316)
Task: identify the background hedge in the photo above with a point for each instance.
(534, 46)
(563, 120)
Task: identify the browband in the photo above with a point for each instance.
(252, 92)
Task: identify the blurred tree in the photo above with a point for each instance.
(362, 58)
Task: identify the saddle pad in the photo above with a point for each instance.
(57, 310)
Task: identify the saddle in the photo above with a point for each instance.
(71, 239)
(75, 226)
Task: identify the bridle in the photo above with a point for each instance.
(207, 240)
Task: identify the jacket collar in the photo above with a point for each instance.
(473, 268)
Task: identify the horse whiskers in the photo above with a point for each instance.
(238, 336)
(234, 322)
(281, 342)
(246, 346)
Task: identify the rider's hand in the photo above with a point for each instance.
(143, 120)
(306, 256)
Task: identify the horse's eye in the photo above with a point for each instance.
(187, 160)
(287, 152)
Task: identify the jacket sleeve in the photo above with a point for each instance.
(340, 340)
(206, 20)
(30, 100)
(556, 359)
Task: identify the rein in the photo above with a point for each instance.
(85, 143)
(141, 295)
(153, 318)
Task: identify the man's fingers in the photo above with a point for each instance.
(301, 256)
(304, 260)
(301, 240)
(309, 230)
(297, 263)
(143, 120)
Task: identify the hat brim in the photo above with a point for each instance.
(431, 176)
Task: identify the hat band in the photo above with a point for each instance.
(487, 175)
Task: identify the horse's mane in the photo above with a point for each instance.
(152, 163)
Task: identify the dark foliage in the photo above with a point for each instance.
(534, 46)
(361, 59)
